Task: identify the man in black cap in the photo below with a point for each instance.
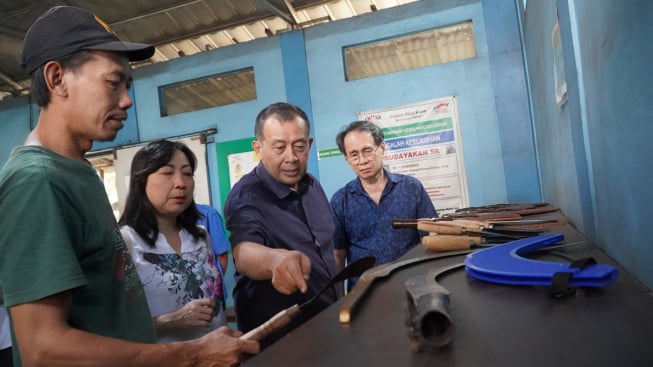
(73, 295)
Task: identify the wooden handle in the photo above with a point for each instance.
(404, 223)
(470, 224)
(350, 303)
(442, 226)
(497, 216)
(410, 223)
(441, 243)
(277, 321)
(439, 228)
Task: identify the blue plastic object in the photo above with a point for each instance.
(504, 264)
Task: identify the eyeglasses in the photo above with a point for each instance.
(367, 153)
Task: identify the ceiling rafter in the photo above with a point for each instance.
(200, 22)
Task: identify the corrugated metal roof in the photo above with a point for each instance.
(175, 27)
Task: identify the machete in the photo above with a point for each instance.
(285, 316)
(352, 299)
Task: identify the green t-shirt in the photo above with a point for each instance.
(58, 233)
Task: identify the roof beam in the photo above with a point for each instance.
(292, 11)
(278, 12)
(155, 12)
(17, 88)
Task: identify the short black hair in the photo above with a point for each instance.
(368, 126)
(285, 111)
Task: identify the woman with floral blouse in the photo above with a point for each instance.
(182, 283)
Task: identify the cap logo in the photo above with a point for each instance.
(64, 30)
(103, 24)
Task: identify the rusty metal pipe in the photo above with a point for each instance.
(427, 311)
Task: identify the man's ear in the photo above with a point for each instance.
(53, 74)
(256, 145)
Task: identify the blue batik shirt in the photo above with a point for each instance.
(365, 228)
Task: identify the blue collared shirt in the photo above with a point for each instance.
(365, 228)
(262, 210)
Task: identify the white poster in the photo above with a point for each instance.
(423, 140)
(241, 164)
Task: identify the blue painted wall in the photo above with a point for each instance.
(336, 101)
(594, 151)
(295, 71)
(511, 100)
(15, 121)
(306, 68)
(232, 121)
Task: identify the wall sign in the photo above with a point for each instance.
(423, 140)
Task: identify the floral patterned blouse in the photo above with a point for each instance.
(171, 280)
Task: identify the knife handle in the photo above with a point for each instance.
(281, 319)
(404, 223)
(440, 228)
(443, 242)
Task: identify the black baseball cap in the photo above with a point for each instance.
(63, 30)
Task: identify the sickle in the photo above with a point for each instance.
(504, 264)
(285, 316)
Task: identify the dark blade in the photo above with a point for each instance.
(285, 316)
(354, 269)
(514, 233)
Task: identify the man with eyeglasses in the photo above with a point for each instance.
(281, 226)
(365, 207)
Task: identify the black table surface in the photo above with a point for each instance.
(495, 325)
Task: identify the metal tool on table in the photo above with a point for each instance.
(505, 264)
(497, 216)
(459, 234)
(427, 310)
(485, 216)
(284, 317)
(446, 242)
(516, 208)
(353, 299)
(472, 228)
(469, 226)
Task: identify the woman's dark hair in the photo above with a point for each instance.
(39, 89)
(139, 213)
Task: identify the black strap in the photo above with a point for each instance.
(560, 281)
(581, 263)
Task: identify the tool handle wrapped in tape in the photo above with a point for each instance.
(281, 319)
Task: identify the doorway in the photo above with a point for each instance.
(113, 168)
